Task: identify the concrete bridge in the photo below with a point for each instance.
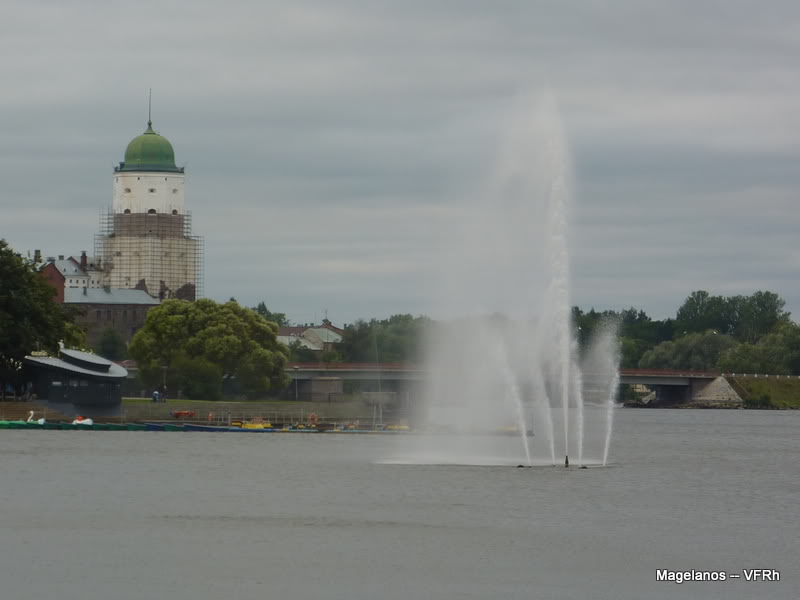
(405, 372)
(327, 380)
(403, 381)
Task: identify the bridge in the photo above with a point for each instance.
(406, 372)
(326, 380)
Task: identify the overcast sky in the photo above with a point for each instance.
(328, 145)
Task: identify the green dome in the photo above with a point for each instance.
(149, 152)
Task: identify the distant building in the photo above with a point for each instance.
(145, 251)
(77, 284)
(63, 273)
(121, 310)
(145, 241)
(317, 338)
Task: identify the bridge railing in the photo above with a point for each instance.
(760, 376)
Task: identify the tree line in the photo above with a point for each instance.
(201, 347)
(740, 334)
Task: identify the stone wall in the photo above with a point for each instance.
(715, 393)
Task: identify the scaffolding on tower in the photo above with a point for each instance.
(154, 252)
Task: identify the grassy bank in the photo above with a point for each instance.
(279, 411)
(767, 392)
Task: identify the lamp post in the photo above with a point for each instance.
(295, 382)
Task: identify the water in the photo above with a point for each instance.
(146, 516)
(511, 259)
(600, 367)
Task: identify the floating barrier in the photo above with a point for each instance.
(194, 427)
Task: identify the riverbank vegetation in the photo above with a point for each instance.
(30, 318)
(767, 392)
(741, 334)
(196, 346)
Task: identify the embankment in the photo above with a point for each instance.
(767, 392)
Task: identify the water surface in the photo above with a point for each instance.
(152, 515)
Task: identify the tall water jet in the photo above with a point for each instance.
(516, 398)
(544, 413)
(504, 351)
(600, 366)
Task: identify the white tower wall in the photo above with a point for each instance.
(140, 192)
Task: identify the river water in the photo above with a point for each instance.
(156, 515)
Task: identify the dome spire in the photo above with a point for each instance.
(149, 109)
(149, 151)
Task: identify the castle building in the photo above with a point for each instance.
(145, 240)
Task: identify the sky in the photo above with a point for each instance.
(330, 146)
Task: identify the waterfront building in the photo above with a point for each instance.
(75, 377)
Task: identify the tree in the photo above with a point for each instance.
(111, 345)
(396, 339)
(278, 318)
(302, 354)
(631, 351)
(237, 341)
(30, 319)
(758, 314)
(695, 351)
(745, 317)
(702, 312)
(198, 378)
(637, 331)
(777, 353)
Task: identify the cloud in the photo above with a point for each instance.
(329, 145)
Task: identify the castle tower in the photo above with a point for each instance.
(145, 241)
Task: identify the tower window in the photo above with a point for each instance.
(174, 190)
(152, 190)
(152, 211)
(127, 190)
(127, 211)
(174, 211)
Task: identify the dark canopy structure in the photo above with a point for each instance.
(76, 377)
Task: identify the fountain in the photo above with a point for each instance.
(516, 370)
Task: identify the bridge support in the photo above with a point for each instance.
(668, 395)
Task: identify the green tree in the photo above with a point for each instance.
(198, 378)
(638, 332)
(396, 339)
(301, 353)
(777, 353)
(758, 314)
(695, 351)
(30, 319)
(236, 340)
(631, 351)
(278, 318)
(111, 345)
(702, 312)
(745, 317)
